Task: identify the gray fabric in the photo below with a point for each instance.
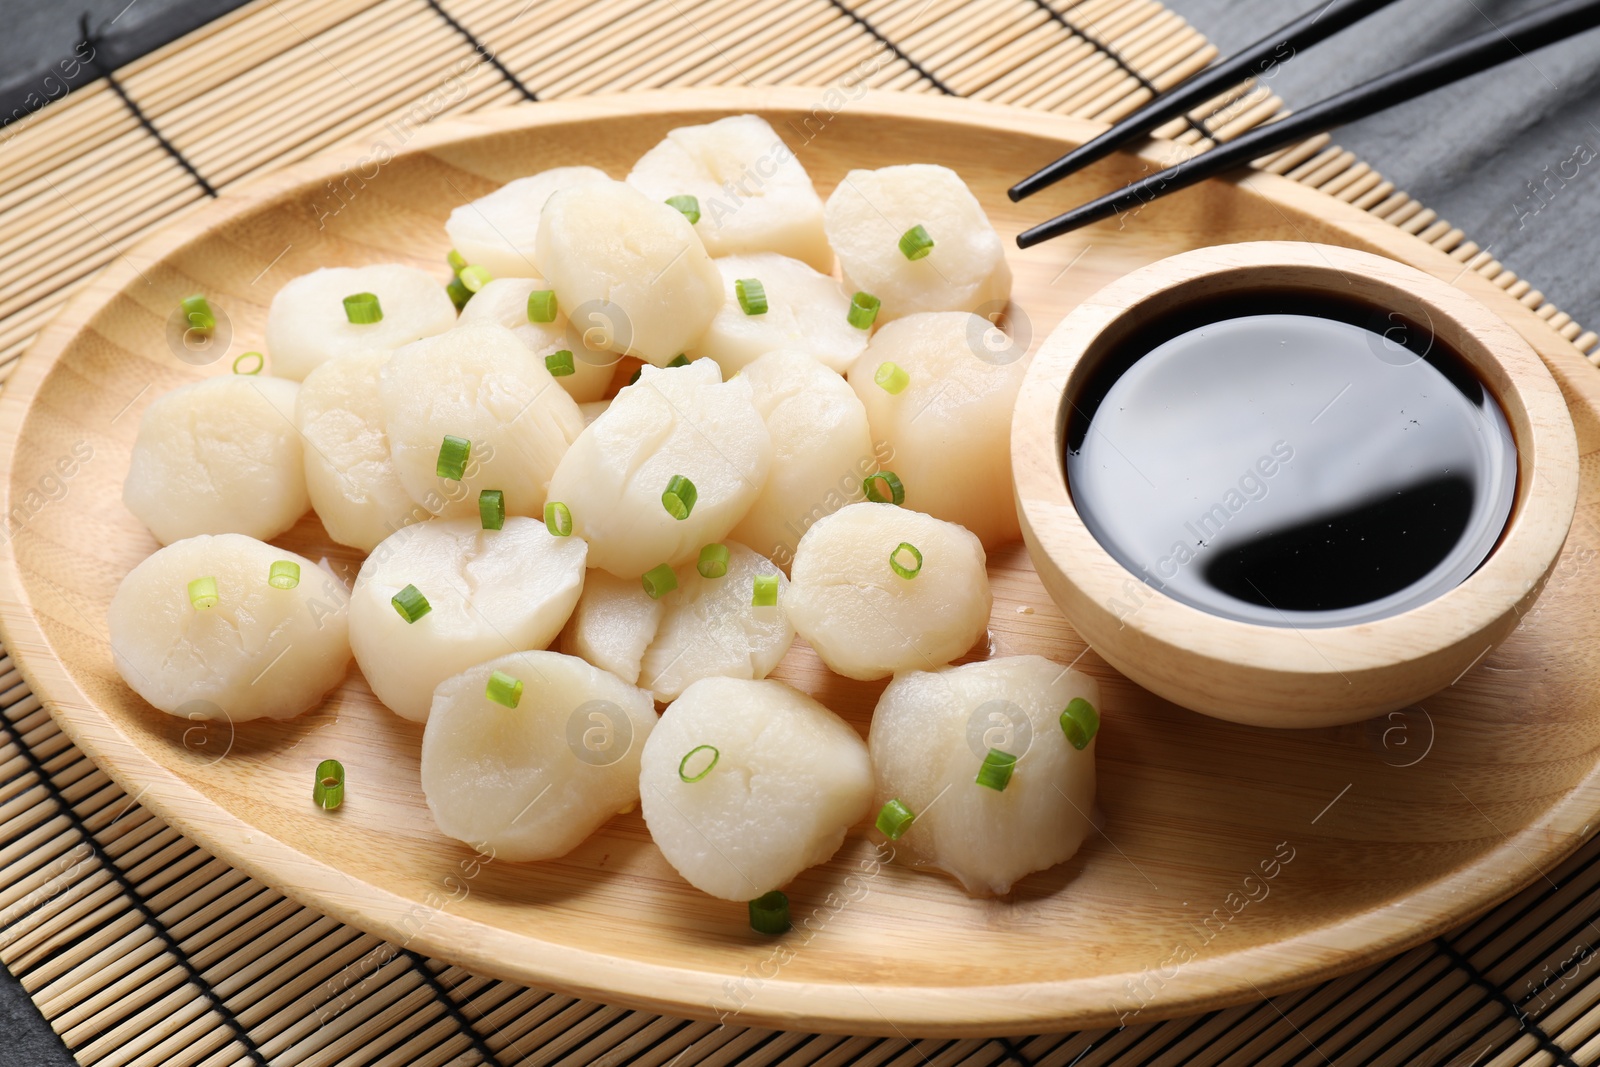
(1475, 151)
(25, 1039)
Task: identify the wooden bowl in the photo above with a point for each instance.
(1369, 839)
(1290, 676)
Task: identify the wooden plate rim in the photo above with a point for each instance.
(987, 1010)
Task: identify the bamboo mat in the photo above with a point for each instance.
(141, 949)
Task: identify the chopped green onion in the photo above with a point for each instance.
(679, 360)
(863, 311)
(683, 764)
(689, 205)
(891, 481)
(260, 363)
(475, 277)
(713, 561)
(328, 790)
(283, 574)
(636, 372)
(203, 593)
(915, 242)
(560, 364)
(504, 689)
(996, 770)
(453, 453)
(894, 819)
(659, 581)
(542, 305)
(906, 570)
(1080, 722)
(765, 591)
(363, 309)
(457, 261)
(679, 497)
(752, 296)
(199, 314)
(492, 509)
(458, 293)
(557, 518)
(769, 913)
(892, 378)
(410, 603)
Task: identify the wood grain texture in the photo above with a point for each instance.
(1394, 829)
(1284, 675)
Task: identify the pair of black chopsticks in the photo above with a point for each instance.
(1520, 35)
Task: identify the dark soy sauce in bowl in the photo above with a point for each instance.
(1291, 460)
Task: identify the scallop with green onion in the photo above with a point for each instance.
(877, 589)
(993, 762)
(821, 450)
(635, 264)
(470, 410)
(310, 323)
(582, 370)
(220, 455)
(498, 231)
(672, 464)
(798, 309)
(945, 411)
(440, 596)
(225, 626)
(916, 238)
(744, 784)
(528, 754)
(349, 471)
(749, 192)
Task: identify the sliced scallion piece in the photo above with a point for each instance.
(659, 580)
(705, 766)
(458, 293)
(475, 276)
(457, 261)
(689, 205)
(679, 360)
(504, 689)
(1080, 722)
(453, 455)
(764, 591)
(890, 481)
(492, 509)
(542, 305)
(283, 574)
(557, 518)
(906, 560)
(863, 310)
(915, 242)
(769, 913)
(995, 773)
(713, 561)
(362, 309)
(894, 819)
(327, 792)
(679, 497)
(197, 312)
(752, 296)
(892, 378)
(249, 367)
(560, 363)
(203, 593)
(410, 603)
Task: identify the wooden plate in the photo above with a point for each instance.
(1234, 862)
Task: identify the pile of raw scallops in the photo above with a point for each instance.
(551, 557)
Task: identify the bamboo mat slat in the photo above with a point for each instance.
(142, 950)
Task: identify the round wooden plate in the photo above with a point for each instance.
(1233, 862)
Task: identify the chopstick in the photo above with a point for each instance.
(1305, 31)
(1518, 36)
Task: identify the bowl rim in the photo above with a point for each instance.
(1509, 578)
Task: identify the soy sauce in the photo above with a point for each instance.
(1291, 460)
